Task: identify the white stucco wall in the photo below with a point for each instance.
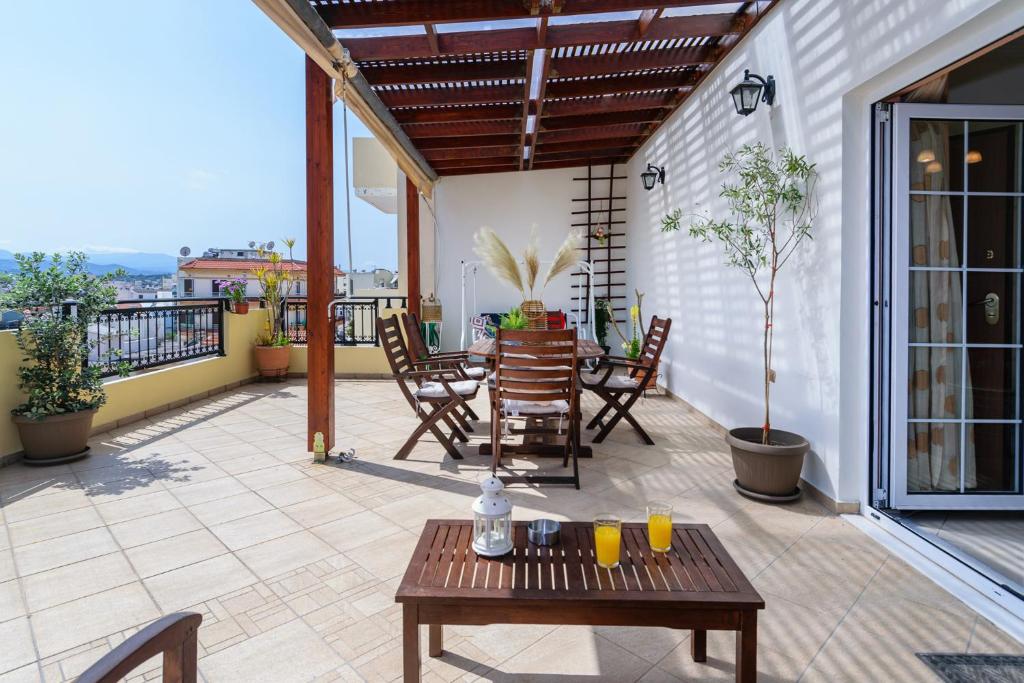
(510, 203)
(831, 59)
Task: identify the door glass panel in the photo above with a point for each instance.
(936, 150)
(992, 467)
(933, 457)
(935, 386)
(992, 388)
(935, 303)
(936, 230)
(995, 232)
(992, 156)
(991, 307)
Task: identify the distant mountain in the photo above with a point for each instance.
(100, 263)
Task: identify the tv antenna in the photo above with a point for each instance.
(184, 251)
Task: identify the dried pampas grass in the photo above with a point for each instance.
(532, 261)
(565, 257)
(496, 255)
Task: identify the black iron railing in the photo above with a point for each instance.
(132, 337)
(355, 320)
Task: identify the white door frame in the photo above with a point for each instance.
(898, 496)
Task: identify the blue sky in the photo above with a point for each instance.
(152, 125)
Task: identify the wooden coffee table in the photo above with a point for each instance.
(695, 586)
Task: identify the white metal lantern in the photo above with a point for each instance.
(492, 520)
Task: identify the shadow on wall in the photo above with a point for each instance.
(817, 51)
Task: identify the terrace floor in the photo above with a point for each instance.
(216, 508)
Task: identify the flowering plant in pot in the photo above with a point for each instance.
(772, 208)
(273, 346)
(234, 290)
(58, 297)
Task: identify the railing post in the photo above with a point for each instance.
(375, 314)
(221, 331)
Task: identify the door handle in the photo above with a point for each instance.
(991, 304)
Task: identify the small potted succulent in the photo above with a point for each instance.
(234, 290)
(772, 208)
(63, 390)
(273, 345)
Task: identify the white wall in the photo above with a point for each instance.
(510, 203)
(831, 59)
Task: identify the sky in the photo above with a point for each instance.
(148, 126)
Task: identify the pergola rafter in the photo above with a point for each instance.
(573, 87)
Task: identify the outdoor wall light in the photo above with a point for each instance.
(746, 94)
(653, 174)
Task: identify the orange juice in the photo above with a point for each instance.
(659, 529)
(606, 543)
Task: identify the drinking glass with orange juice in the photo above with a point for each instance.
(607, 540)
(659, 526)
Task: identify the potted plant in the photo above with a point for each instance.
(234, 290)
(58, 297)
(632, 346)
(513, 320)
(771, 210)
(273, 345)
(499, 259)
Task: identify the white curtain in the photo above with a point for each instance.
(936, 316)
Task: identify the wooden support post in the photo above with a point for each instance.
(319, 252)
(412, 246)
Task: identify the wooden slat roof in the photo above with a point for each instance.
(501, 85)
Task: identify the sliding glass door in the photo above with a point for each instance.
(955, 357)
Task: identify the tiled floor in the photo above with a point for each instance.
(294, 566)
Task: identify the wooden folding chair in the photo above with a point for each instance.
(535, 378)
(450, 360)
(437, 396)
(621, 391)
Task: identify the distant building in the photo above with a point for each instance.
(200, 277)
(376, 282)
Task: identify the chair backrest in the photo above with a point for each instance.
(414, 336)
(650, 352)
(535, 365)
(389, 331)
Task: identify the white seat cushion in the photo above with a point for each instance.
(614, 382)
(474, 371)
(465, 387)
(559, 407)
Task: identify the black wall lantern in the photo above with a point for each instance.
(652, 175)
(745, 95)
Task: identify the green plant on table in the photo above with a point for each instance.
(772, 208)
(514, 319)
(631, 344)
(53, 337)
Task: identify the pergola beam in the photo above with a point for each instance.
(638, 60)
(442, 72)
(584, 145)
(608, 103)
(487, 94)
(611, 85)
(439, 156)
(469, 141)
(590, 120)
(593, 133)
(503, 40)
(373, 14)
(418, 131)
(483, 112)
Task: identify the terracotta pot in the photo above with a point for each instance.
(769, 471)
(241, 308)
(536, 314)
(272, 361)
(55, 439)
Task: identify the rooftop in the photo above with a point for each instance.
(244, 264)
(215, 507)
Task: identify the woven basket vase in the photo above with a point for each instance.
(536, 314)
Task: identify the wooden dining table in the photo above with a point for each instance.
(586, 350)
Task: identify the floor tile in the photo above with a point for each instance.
(17, 650)
(242, 533)
(290, 652)
(284, 554)
(230, 508)
(154, 527)
(92, 617)
(199, 582)
(57, 552)
(177, 551)
(73, 581)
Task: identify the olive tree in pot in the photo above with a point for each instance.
(58, 297)
(771, 204)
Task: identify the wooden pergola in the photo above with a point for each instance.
(454, 87)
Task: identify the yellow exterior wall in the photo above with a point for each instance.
(10, 396)
(153, 391)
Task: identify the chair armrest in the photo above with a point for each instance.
(438, 374)
(173, 635)
(621, 362)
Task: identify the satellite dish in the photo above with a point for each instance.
(270, 244)
(185, 251)
(251, 244)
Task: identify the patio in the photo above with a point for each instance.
(216, 507)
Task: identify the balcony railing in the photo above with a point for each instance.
(166, 331)
(354, 319)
